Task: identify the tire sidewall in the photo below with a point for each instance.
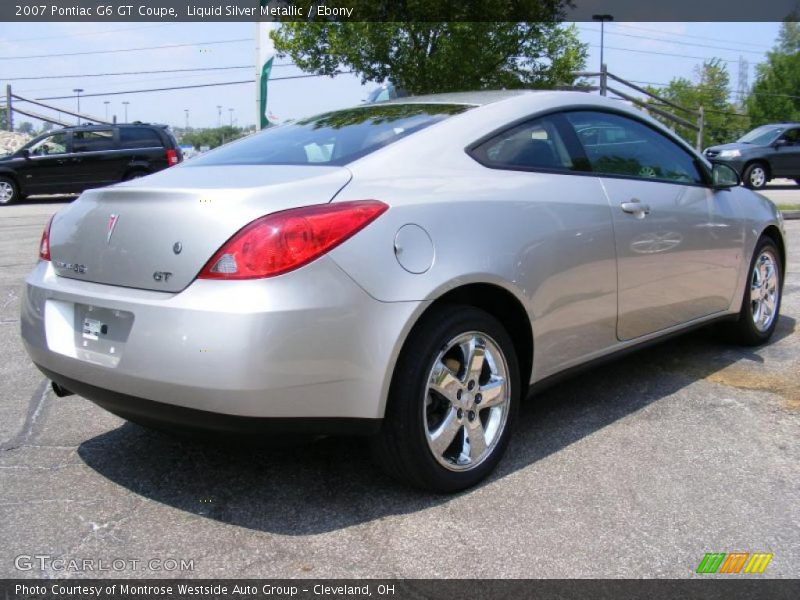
(407, 398)
(15, 196)
(748, 171)
(746, 314)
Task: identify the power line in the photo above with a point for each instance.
(664, 53)
(127, 49)
(646, 37)
(186, 87)
(686, 35)
(138, 72)
(52, 37)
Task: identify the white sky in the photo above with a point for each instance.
(631, 51)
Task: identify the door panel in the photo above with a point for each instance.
(95, 158)
(47, 170)
(785, 160)
(676, 263)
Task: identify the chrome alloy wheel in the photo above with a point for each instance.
(758, 177)
(764, 290)
(6, 192)
(466, 401)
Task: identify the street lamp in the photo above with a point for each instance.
(125, 104)
(106, 102)
(219, 115)
(602, 19)
(78, 94)
(186, 110)
(230, 110)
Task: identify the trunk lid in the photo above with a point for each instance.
(172, 222)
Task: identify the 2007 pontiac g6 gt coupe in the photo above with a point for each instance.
(404, 270)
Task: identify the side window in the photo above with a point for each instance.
(92, 141)
(52, 144)
(617, 145)
(792, 136)
(139, 137)
(536, 144)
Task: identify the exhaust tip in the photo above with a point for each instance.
(60, 391)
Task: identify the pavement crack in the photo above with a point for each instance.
(35, 408)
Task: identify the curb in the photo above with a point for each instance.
(790, 215)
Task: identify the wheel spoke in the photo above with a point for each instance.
(493, 392)
(477, 440)
(444, 381)
(474, 352)
(443, 436)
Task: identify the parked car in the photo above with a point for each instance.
(74, 159)
(405, 270)
(766, 152)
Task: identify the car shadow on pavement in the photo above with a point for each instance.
(329, 484)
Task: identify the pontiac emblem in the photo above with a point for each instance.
(112, 223)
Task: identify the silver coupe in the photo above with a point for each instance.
(405, 270)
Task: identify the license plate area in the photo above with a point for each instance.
(90, 333)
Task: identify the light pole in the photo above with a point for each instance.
(125, 104)
(219, 115)
(602, 19)
(230, 110)
(106, 102)
(186, 110)
(78, 95)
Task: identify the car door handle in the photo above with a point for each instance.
(635, 207)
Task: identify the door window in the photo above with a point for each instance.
(617, 145)
(52, 144)
(535, 145)
(792, 136)
(92, 141)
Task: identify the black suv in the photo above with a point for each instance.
(767, 152)
(73, 159)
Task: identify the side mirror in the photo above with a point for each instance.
(780, 143)
(723, 176)
(24, 153)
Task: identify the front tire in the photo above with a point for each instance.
(755, 176)
(9, 192)
(762, 297)
(452, 403)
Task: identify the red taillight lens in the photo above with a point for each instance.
(44, 244)
(172, 157)
(287, 240)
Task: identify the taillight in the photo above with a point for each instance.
(287, 240)
(172, 157)
(44, 244)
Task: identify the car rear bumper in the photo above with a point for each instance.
(307, 345)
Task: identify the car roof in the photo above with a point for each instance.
(477, 98)
(106, 126)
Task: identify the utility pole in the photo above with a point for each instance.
(186, 110)
(78, 92)
(602, 18)
(9, 108)
(106, 102)
(230, 110)
(219, 115)
(125, 104)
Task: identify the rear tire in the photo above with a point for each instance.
(447, 425)
(755, 176)
(9, 192)
(762, 297)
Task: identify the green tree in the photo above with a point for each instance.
(776, 93)
(710, 90)
(212, 137)
(25, 127)
(426, 57)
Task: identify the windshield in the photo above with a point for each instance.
(334, 138)
(761, 136)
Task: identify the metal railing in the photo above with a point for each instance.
(604, 88)
(12, 106)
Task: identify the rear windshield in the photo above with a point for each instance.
(334, 138)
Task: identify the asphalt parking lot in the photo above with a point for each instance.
(635, 469)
